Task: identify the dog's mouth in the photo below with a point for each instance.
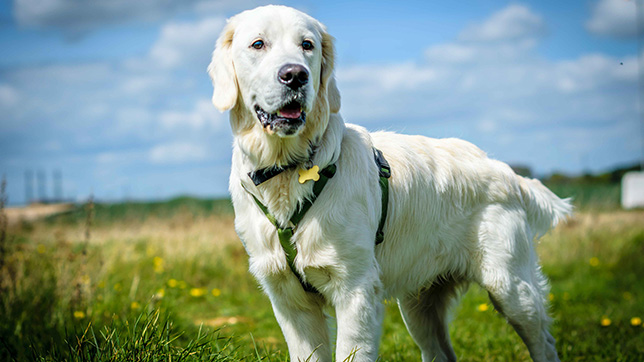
(286, 121)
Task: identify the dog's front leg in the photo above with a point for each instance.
(303, 323)
(359, 314)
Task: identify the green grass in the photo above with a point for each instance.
(106, 213)
(147, 338)
(170, 281)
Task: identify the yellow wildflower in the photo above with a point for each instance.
(160, 293)
(135, 305)
(636, 321)
(594, 261)
(79, 314)
(482, 307)
(158, 264)
(172, 283)
(605, 322)
(551, 297)
(216, 292)
(41, 249)
(197, 292)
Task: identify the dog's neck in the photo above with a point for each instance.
(254, 150)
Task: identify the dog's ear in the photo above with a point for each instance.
(328, 77)
(222, 71)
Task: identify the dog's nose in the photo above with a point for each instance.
(293, 75)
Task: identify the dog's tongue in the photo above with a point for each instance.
(290, 111)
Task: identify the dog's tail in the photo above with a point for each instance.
(544, 208)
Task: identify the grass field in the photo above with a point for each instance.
(169, 281)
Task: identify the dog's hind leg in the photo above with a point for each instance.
(522, 305)
(425, 315)
(510, 273)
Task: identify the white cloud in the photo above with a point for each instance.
(79, 17)
(91, 73)
(174, 119)
(135, 119)
(137, 83)
(8, 96)
(483, 77)
(186, 42)
(390, 77)
(477, 52)
(515, 22)
(130, 103)
(202, 117)
(616, 18)
(389, 91)
(459, 53)
(177, 152)
(589, 72)
(71, 95)
(502, 95)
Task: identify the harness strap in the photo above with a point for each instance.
(285, 233)
(384, 171)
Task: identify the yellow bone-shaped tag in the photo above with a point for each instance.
(310, 174)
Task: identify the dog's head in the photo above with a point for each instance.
(273, 66)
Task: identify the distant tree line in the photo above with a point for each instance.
(610, 177)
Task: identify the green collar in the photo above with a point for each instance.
(262, 175)
(265, 174)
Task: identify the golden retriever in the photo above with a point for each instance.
(454, 215)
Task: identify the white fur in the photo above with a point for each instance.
(455, 216)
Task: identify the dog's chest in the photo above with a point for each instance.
(268, 261)
(261, 211)
(281, 196)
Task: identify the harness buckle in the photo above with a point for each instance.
(384, 170)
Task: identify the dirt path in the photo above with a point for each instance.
(35, 211)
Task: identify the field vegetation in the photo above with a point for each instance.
(169, 281)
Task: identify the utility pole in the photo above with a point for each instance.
(58, 186)
(42, 191)
(29, 187)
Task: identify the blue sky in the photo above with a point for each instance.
(115, 94)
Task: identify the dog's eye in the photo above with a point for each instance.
(307, 45)
(258, 44)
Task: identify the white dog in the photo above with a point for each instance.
(454, 216)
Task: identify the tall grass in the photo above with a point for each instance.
(170, 282)
(64, 273)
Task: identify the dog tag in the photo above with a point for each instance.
(310, 174)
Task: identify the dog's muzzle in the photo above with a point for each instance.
(286, 121)
(290, 117)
